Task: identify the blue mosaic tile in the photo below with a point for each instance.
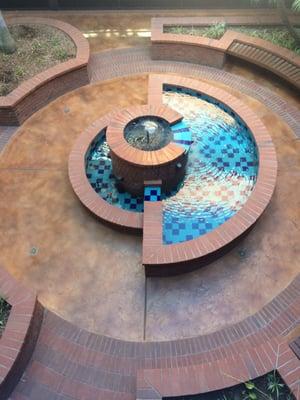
(221, 170)
(99, 174)
(152, 193)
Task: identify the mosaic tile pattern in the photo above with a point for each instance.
(221, 171)
(99, 173)
(152, 193)
(182, 135)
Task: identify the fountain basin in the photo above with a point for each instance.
(142, 149)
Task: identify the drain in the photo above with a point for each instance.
(242, 253)
(34, 251)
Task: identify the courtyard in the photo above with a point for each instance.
(120, 312)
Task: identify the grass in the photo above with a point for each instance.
(39, 47)
(275, 34)
(4, 313)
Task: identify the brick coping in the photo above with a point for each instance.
(228, 39)
(123, 150)
(208, 246)
(160, 259)
(226, 372)
(20, 333)
(81, 60)
(81, 186)
(244, 351)
(277, 318)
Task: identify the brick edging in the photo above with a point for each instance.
(87, 195)
(199, 49)
(123, 150)
(170, 259)
(20, 334)
(226, 372)
(157, 258)
(245, 350)
(41, 89)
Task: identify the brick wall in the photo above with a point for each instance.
(36, 92)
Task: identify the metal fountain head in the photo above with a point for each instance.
(150, 127)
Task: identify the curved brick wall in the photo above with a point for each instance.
(160, 259)
(139, 370)
(136, 166)
(102, 209)
(20, 334)
(38, 91)
(206, 51)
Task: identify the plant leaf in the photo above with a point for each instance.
(249, 385)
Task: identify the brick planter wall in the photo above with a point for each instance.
(206, 51)
(40, 90)
(20, 334)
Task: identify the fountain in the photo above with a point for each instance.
(148, 133)
(143, 148)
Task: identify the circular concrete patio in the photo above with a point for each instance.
(80, 263)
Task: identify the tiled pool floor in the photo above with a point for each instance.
(221, 169)
(90, 274)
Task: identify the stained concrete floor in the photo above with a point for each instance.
(91, 274)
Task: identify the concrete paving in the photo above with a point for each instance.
(91, 274)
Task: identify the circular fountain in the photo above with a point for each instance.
(194, 169)
(148, 133)
(143, 150)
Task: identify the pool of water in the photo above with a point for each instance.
(99, 173)
(148, 133)
(221, 171)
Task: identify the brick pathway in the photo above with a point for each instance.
(6, 132)
(72, 364)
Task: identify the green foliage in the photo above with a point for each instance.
(295, 4)
(19, 71)
(216, 31)
(250, 385)
(60, 53)
(37, 47)
(274, 386)
(4, 312)
(249, 394)
(275, 34)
